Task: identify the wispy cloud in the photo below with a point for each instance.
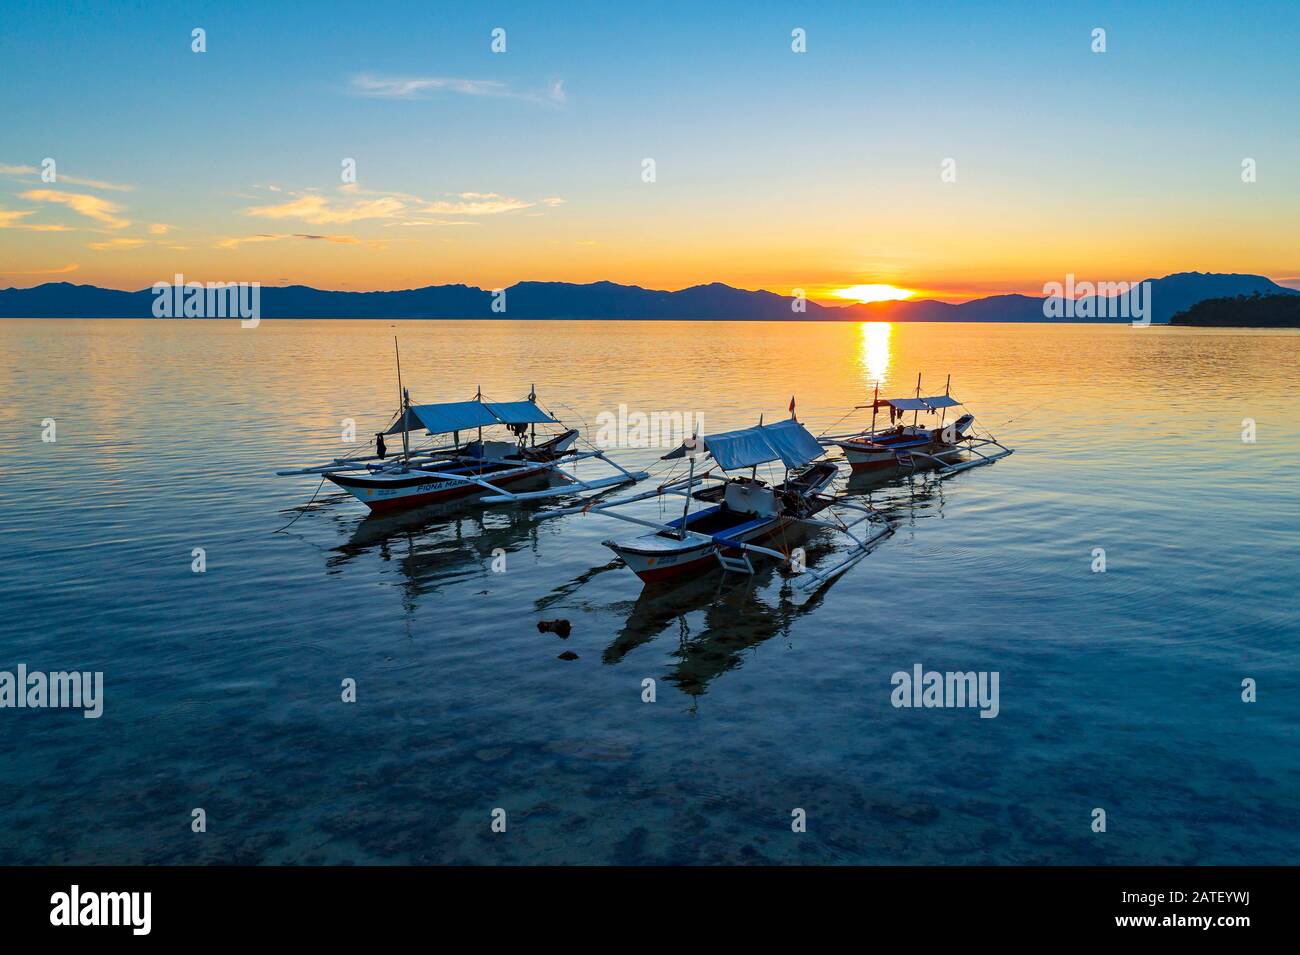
(92, 207)
(12, 219)
(9, 217)
(234, 243)
(418, 87)
(71, 267)
(318, 210)
(475, 204)
(115, 244)
(341, 239)
(428, 222)
(96, 183)
(30, 171)
(398, 208)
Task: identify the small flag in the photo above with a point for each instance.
(792, 417)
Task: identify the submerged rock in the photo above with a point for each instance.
(560, 628)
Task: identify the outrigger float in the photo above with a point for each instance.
(746, 517)
(914, 446)
(478, 468)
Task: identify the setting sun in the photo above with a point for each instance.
(874, 293)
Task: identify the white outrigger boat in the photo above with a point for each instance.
(478, 468)
(745, 514)
(917, 446)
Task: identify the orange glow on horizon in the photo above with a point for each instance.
(873, 293)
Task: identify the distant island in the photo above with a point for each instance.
(1170, 295)
(1243, 311)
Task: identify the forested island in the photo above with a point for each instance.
(1243, 311)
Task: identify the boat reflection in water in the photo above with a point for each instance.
(438, 544)
(738, 616)
(741, 611)
(902, 494)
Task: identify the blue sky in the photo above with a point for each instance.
(773, 168)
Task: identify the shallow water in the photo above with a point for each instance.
(1118, 690)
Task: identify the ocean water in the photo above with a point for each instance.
(1119, 690)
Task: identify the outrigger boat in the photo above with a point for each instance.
(917, 446)
(745, 514)
(478, 468)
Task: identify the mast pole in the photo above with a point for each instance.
(397, 351)
(690, 487)
(479, 397)
(946, 388)
(875, 400)
(405, 403)
(406, 414)
(917, 414)
(532, 428)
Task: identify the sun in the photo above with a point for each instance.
(874, 293)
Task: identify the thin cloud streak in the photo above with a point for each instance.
(71, 267)
(401, 209)
(116, 244)
(25, 171)
(92, 207)
(235, 243)
(412, 87)
(317, 210)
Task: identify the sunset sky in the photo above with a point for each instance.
(774, 169)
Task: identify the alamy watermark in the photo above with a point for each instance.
(181, 299)
(77, 907)
(926, 689)
(82, 690)
(640, 429)
(1071, 299)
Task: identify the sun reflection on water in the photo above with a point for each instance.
(875, 350)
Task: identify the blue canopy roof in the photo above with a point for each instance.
(786, 441)
(793, 442)
(740, 449)
(519, 412)
(466, 415)
(933, 403)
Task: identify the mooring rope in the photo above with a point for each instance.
(836, 424)
(303, 509)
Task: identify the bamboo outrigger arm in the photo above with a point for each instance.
(504, 497)
(811, 577)
(945, 468)
(672, 487)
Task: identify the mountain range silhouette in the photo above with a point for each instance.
(608, 300)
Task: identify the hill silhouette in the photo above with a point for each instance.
(609, 300)
(1244, 311)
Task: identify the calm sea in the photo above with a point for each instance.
(1119, 690)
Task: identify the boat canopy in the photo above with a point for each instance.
(519, 412)
(786, 441)
(466, 415)
(933, 403)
